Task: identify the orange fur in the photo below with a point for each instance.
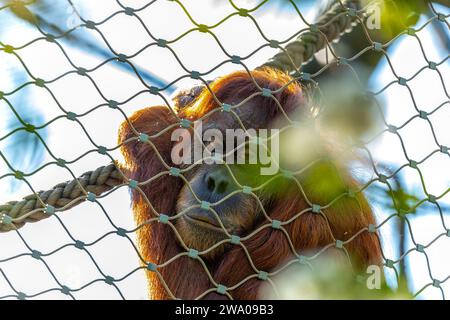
(269, 248)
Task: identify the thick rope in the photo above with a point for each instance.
(336, 21)
(332, 24)
(63, 196)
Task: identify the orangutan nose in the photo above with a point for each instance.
(218, 181)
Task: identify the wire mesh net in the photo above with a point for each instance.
(94, 188)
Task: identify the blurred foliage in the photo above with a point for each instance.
(326, 278)
(59, 17)
(396, 16)
(21, 11)
(23, 149)
(396, 198)
(345, 111)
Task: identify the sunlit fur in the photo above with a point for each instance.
(269, 248)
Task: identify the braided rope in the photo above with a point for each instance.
(330, 26)
(63, 196)
(336, 21)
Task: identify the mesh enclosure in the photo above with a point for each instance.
(80, 253)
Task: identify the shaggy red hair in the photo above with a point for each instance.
(269, 248)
